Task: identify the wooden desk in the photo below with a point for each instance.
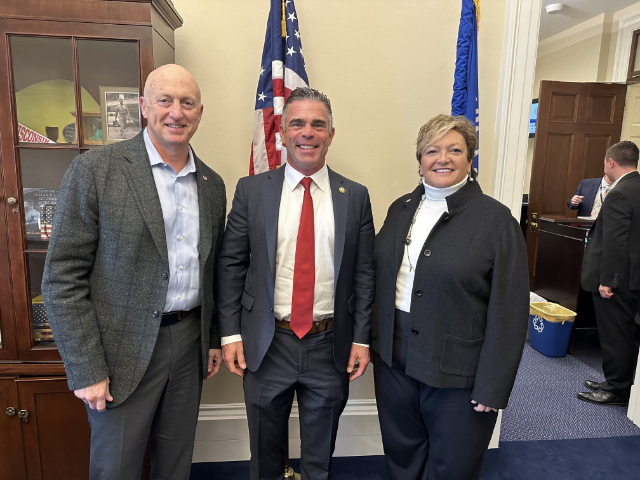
(558, 265)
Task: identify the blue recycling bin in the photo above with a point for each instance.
(550, 328)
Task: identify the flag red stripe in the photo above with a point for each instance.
(270, 132)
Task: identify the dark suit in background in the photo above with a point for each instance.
(612, 259)
(588, 188)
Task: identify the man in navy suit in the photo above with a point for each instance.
(587, 194)
(296, 292)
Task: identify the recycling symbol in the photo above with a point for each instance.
(538, 323)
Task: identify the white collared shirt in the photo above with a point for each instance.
(324, 235)
(178, 194)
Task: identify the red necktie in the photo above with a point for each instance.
(304, 271)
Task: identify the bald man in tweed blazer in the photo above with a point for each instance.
(129, 284)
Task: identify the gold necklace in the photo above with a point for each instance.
(407, 242)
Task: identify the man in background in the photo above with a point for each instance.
(295, 297)
(129, 285)
(589, 196)
(611, 270)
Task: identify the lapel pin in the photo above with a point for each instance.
(205, 177)
(341, 190)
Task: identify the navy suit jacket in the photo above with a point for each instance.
(247, 265)
(587, 188)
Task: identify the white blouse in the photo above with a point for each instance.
(433, 206)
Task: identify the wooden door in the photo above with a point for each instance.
(56, 438)
(11, 454)
(577, 122)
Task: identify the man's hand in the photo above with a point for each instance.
(481, 408)
(95, 395)
(215, 360)
(605, 292)
(358, 361)
(577, 199)
(231, 352)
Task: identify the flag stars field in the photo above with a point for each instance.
(262, 97)
(290, 51)
(292, 16)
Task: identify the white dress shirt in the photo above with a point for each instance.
(178, 194)
(433, 206)
(324, 235)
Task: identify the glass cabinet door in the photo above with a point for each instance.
(55, 81)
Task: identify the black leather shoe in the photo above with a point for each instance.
(602, 397)
(591, 385)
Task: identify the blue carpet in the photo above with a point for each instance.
(543, 404)
(590, 458)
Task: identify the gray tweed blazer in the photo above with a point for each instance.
(103, 283)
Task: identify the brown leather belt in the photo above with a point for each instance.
(321, 326)
(169, 318)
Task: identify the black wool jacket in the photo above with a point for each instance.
(470, 300)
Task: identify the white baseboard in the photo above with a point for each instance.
(223, 436)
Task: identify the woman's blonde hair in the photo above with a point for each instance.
(438, 126)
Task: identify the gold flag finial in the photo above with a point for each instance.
(477, 4)
(284, 20)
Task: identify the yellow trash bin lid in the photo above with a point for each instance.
(552, 312)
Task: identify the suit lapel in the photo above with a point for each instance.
(204, 212)
(141, 183)
(272, 193)
(404, 222)
(340, 201)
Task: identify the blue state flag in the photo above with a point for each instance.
(465, 85)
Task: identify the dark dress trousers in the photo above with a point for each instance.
(462, 339)
(587, 188)
(612, 259)
(279, 363)
(105, 285)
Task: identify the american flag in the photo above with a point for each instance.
(282, 71)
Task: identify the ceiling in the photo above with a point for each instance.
(575, 12)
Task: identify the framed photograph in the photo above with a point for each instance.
(120, 111)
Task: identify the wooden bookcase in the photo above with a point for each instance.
(65, 67)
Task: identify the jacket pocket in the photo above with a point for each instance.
(460, 356)
(351, 303)
(247, 301)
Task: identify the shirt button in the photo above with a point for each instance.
(427, 253)
(418, 293)
(415, 332)
(165, 276)
(180, 237)
(179, 297)
(181, 267)
(155, 313)
(181, 207)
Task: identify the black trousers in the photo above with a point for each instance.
(427, 432)
(304, 367)
(615, 317)
(163, 408)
